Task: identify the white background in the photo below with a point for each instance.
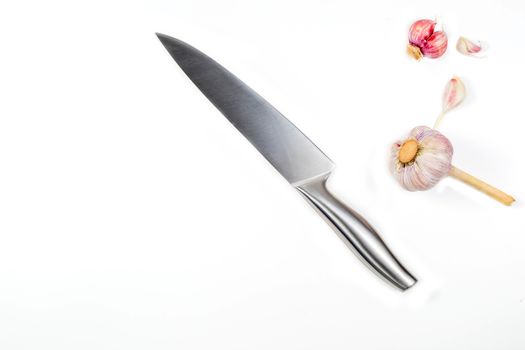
(134, 216)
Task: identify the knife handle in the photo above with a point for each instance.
(357, 234)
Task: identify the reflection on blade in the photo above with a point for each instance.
(276, 138)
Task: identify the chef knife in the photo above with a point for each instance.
(291, 153)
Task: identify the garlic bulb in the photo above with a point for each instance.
(423, 41)
(422, 159)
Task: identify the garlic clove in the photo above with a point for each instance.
(420, 30)
(435, 46)
(453, 95)
(469, 48)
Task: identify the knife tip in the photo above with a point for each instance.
(169, 41)
(161, 36)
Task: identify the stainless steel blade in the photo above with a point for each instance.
(296, 157)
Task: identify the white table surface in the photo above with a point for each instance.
(134, 216)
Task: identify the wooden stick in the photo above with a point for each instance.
(481, 186)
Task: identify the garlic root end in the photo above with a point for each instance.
(408, 151)
(414, 52)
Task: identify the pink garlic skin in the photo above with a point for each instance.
(435, 46)
(453, 94)
(432, 162)
(422, 36)
(420, 30)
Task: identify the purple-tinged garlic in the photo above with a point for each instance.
(424, 157)
(423, 41)
(453, 95)
(469, 48)
(421, 160)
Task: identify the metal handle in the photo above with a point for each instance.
(357, 233)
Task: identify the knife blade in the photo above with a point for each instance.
(290, 152)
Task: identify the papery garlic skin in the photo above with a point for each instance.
(424, 41)
(468, 47)
(432, 161)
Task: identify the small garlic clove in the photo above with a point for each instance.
(469, 48)
(428, 165)
(454, 94)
